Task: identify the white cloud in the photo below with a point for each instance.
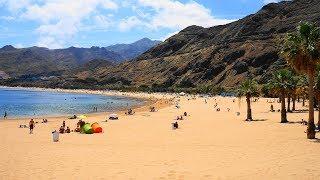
(50, 42)
(7, 18)
(59, 9)
(130, 22)
(60, 20)
(169, 35)
(19, 45)
(270, 1)
(170, 14)
(102, 21)
(15, 5)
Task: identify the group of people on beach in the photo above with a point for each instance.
(130, 112)
(64, 129)
(175, 124)
(95, 109)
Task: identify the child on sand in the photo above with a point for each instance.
(31, 126)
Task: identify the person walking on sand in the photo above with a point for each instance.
(31, 126)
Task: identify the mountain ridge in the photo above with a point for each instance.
(39, 60)
(220, 56)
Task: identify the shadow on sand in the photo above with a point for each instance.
(257, 120)
(316, 140)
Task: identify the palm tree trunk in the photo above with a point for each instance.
(249, 114)
(288, 107)
(283, 108)
(294, 103)
(311, 127)
(318, 114)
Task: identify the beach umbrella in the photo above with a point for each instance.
(83, 116)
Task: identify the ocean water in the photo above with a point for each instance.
(33, 103)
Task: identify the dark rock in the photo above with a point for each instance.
(240, 67)
(233, 56)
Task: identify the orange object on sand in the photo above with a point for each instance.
(96, 128)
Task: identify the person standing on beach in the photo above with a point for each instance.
(5, 115)
(31, 126)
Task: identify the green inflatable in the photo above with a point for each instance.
(87, 128)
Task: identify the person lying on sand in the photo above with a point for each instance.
(73, 117)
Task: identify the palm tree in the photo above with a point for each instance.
(301, 50)
(302, 89)
(295, 90)
(279, 84)
(248, 89)
(317, 95)
(290, 90)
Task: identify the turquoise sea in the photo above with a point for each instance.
(35, 103)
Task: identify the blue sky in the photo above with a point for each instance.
(86, 23)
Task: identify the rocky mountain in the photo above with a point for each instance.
(221, 56)
(37, 61)
(131, 51)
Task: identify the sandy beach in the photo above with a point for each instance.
(207, 145)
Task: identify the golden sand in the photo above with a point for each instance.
(207, 145)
